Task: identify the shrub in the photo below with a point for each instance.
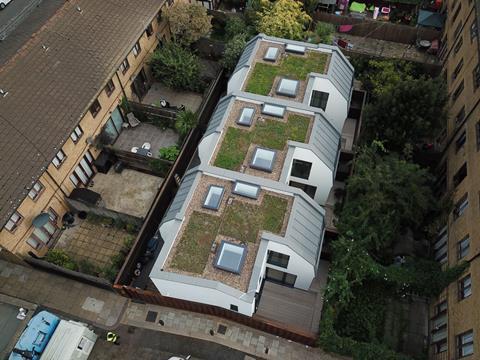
(233, 50)
(131, 228)
(61, 258)
(169, 153)
(176, 67)
(184, 122)
(235, 25)
(88, 267)
(188, 22)
(324, 32)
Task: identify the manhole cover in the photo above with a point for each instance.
(151, 316)
(222, 329)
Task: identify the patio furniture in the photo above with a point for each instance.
(345, 28)
(134, 149)
(146, 146)
(143, 152)
(357, 7)
(132, 120)
(385, 10)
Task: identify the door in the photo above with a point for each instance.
(280, 277)
(139, 85)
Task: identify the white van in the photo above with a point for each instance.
(4, 3)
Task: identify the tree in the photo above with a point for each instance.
(406, 114)
(188, 22)
(176, 67)
(233, 50)
(185, 121)
(283, 18)
(235, 26)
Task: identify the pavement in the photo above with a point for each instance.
(147, 325)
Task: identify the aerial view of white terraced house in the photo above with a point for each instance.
(246, 227)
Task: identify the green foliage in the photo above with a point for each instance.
(131, 228)
(188, 22)
(61, 258)
(324, 32)
(169, 153)
(88, 267)
(407, 113)
(233, 50)
(235, 26)
(128, 242)
(160, 166)
(176, 67)
(282, 18)
(185, 121)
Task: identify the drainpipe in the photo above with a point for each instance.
(121, 86)
(56, 183)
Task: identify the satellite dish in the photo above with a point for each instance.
(40, 220)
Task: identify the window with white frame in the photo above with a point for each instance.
(84, 170)
(460, 207)
(465, 344)
(36, 190)
(124, 66)
(465, 287)
(59, 159)
(463, 247)
(14, 221)
(42, 236)
(136, 49)
(438, 326)
(76, 134)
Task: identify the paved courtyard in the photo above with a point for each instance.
(93, 242)
(158, 91)
(137, 136)
(131, 192)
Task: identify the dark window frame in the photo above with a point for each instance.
(302, 173)
(137, 49)
(149, 30)
(462, 252)
(462, 288)
(278, 259)
(76, 134)
(109, 87)
(460, 175)
(95, 108)
(60, 160)
(460, 344)
(35, 194)
(461, 140)
(124, 66)
(16, 223)
(319, 99)
(234, 307)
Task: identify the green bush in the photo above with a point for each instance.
(184, 122)
(233, 50)
(324, 32)
(88, 267)
(235, 25)
(177, 67)
(131, 228)
(61, 258)
(169, 153)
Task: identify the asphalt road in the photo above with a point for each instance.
(12, 10)
(144, 344)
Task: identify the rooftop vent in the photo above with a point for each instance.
(263, 159)
(287, 87)
(271, 54)
(246, 189)
(246, 116)
(230, 257)
(213, 198)
(273, 110)
(296, 49)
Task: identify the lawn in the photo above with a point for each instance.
(240, 220)
(272, 134)
(292, 67)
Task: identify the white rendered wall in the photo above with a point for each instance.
(296, 265)
(320, 174)
(202, 295)
(337, 105)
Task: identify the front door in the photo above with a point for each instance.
(280, 277)
(139, 85)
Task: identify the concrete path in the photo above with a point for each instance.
(256, 343)
(100, 307)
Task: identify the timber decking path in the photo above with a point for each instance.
(108, 310)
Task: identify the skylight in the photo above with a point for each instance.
(298, 49)
(248, 190)
(263, 159)
(246, 117)
(287, 87)
(230, 257)
(271, 54)
(273, 110)
(214, 197)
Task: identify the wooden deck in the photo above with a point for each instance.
(293, 307)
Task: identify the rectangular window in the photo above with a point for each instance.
(319, 99)
(477, 132)
(440, 247)
(457, 11)
(458, 91)
(159, 17)
(457, 70)
(476, 77)
(457, 30)
(280, 277)
(246, 116)
(41, 236)
(460, 175)
(36, 190)
(441, 346)
(460, 116)
(149, 30)
(109, 88)
(273, 110)
(301, 169)
(59, 159)
(214, 197)
(458, 45)
(136, 49)
(95, 108)
(76, 134)
(84, 171)
(14, 221)
(233, 307)
(463, 247)
(441, 308)
(460, 141)
(124, 66)
(277, 259)
(465, 287)
(248, 190)
(308, 189)
(473, 30)
(460, 207)
(465, 344)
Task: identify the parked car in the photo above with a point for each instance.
(4, 3)
(180, 357)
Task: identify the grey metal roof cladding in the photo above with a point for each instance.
(219, 114)
(341, 74)
(247, 53)
(189, 180)
(325, 139)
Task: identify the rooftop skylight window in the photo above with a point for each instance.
(287, 87)
(297, 49)
(214, 197)
(263, 159)
(247, 190)
(273, 110)
(230, 257)
(271, 54)
(246, 117)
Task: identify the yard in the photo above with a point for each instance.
(272, 134)
(292, 67)
(240, 220)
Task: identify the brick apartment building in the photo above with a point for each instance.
(63, 74)
(455, 318)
